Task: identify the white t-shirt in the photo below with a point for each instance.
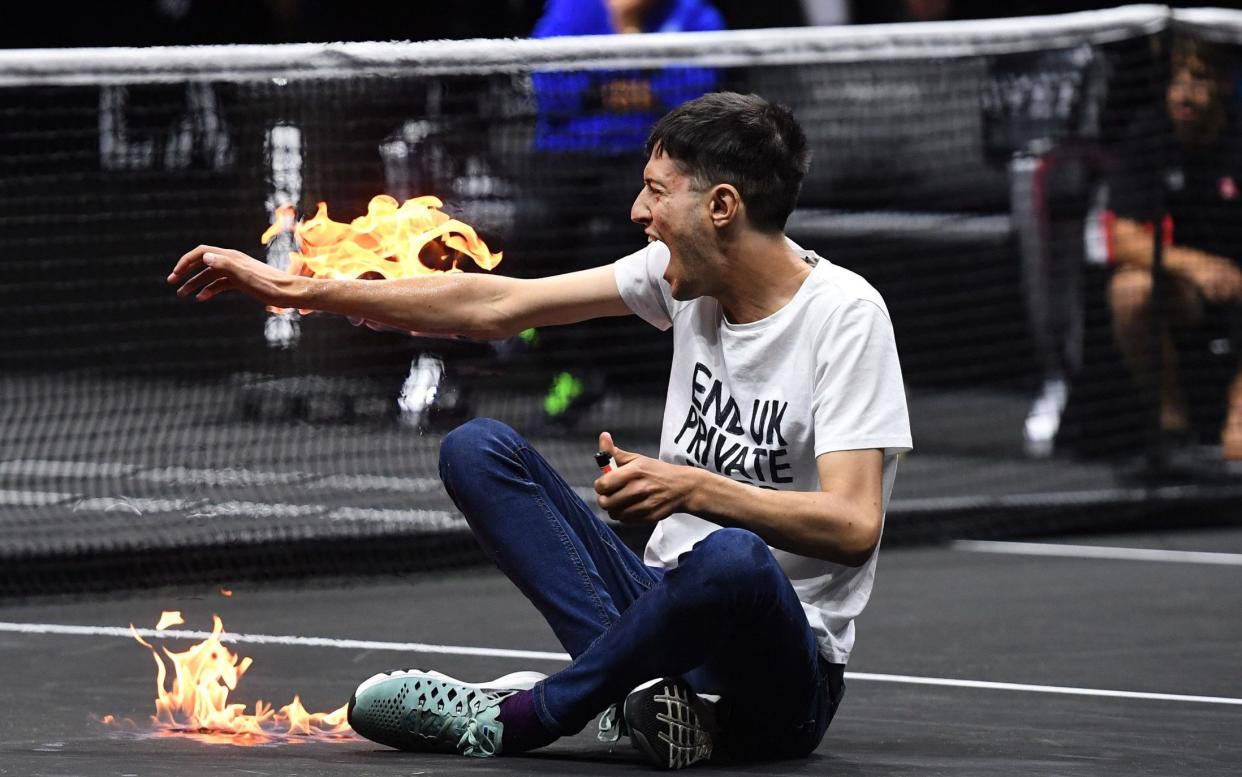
(759, 402)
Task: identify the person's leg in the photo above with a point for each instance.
(727, 618)
(1130, 300)
(528, 520)
(572, 567)
(1231, 433)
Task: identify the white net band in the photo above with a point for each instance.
(715, 49)
(1221, 25)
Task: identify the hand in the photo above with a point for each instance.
(641, 489)
(212, 270)
(1217, 278)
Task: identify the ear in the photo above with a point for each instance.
(725, 205)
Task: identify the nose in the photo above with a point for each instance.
(639, 212)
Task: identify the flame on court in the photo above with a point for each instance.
(393, 240)
(197, 702)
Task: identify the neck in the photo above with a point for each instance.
(762, 275)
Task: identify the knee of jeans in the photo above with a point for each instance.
(463, 449)
(738, 555)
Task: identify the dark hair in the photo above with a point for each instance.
(1215, 58)
(743, 140)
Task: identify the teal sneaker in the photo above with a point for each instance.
(432, 712)
(669, 724)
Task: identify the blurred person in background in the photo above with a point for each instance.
(1198, 197)
(589, 131)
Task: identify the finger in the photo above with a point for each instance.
(608, 484)
(190, 262)
(622, 498)
(197, 282)
(605, 442)
(642, 511)
(616, 505)
(214, 288)
(617, 479)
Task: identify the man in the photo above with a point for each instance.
(784, 418)
(1202, 226)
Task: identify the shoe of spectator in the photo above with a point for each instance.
(430, 394)
(282, 330)
(1183, 459)
(424, 711)
(1039, 432)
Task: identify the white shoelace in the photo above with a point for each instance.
(609, 725)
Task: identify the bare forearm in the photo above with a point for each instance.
(456, 303)
(819, 524)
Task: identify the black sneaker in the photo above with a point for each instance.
(669, 724)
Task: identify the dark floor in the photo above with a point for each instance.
(1162, 627)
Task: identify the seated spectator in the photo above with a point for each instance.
(590, 129)
(1196, 197)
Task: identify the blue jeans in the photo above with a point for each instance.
(726, 619)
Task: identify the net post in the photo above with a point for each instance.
(1157, 451)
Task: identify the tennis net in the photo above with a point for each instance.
(967, 170)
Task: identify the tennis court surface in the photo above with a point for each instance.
(155, 452)
(1103, 655)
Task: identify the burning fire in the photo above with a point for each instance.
(392, 240)
(197, 703)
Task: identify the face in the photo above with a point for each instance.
(1193, 99)
(671, 210)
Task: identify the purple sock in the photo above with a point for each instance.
(523, 730)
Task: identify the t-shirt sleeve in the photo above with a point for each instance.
(640, 279)
(860, 399)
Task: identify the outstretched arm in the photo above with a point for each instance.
(476, 305)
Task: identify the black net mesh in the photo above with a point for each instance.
(976, 185)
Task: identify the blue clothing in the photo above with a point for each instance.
(726, 618)
(572, 116)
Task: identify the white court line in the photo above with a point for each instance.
(276, 639)
(899, 678)
(57, 468)
(10, 498)
(232, 477)
(539, 655)
(421, 519)
(1094, 551)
